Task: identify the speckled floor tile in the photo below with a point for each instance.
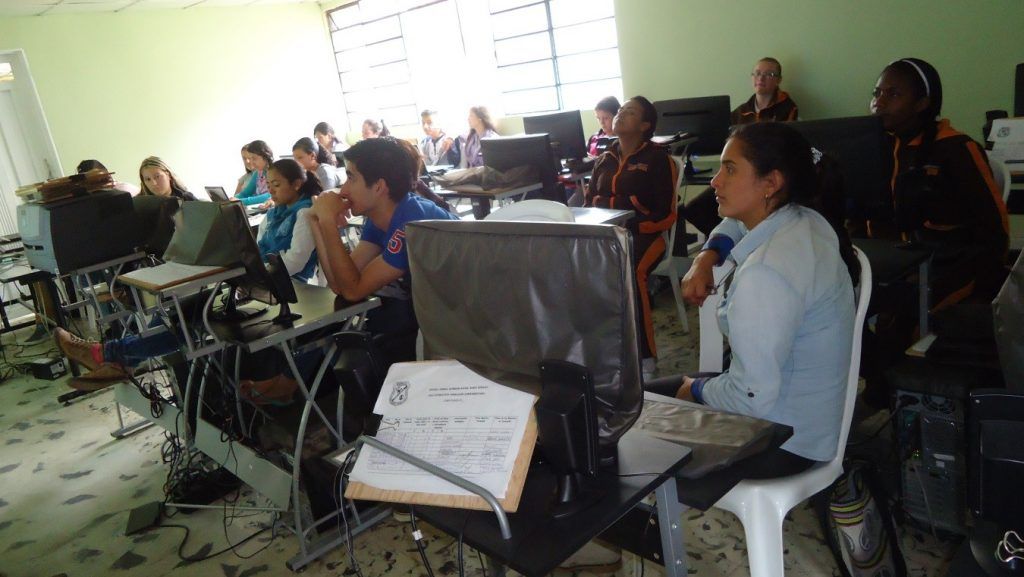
(66, 487)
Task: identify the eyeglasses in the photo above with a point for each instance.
(769, 75)
(886, 92)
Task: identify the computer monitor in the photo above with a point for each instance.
(507, 152)
(858, 144)
(269, 280)
(155, 220)
(564, 129)
(706, 117)
(217, 193)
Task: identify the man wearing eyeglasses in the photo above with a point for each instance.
(767, 102)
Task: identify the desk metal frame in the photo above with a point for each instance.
(481, 198)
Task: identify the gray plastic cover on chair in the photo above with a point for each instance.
(1008, 320)
(501, 296)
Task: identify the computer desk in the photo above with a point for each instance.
(482, 198)
(323, 314)
(540, 543)
(891, 263)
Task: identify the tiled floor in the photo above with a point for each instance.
(66, 488)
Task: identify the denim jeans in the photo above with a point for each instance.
(130, 351)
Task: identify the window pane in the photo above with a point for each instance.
(381, 30)
(499, 5)
(385, 52)
(358, 79)
(522, 49)
(400, 116)
(526, 101)
(373, 9)
(392, 96)
(360, 100)
(405, 5)
(350, 59)
(531, 75)
(343, 17)
(6, 72)
(589, 66)
(389, 74)
(565, 12)
(355, 119)
(584, 95)
(522, 21)
(347, 38)
(586, 37)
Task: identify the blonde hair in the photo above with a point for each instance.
(157, 162)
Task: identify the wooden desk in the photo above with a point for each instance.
(481, 198)
(539, 543)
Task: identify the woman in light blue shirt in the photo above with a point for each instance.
(788, 310)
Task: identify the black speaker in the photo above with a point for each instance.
(1018, 92)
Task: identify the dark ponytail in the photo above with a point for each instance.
(292, 171)
(810, 178)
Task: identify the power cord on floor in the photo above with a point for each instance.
(343, 473)
(418, 538)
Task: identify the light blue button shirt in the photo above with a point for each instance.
(788, 314)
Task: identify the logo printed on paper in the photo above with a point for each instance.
(1004, 131)
(396, 242)
(399, 393)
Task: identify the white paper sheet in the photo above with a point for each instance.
(449, 416)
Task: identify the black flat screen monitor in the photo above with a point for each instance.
(217, 193)
(565, 129)
(507, 152)
(155, 216)
(858, 144)
(706, 117)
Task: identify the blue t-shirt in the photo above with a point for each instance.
(392, 242)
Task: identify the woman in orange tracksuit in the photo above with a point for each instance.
(635, 174)
(943, 194)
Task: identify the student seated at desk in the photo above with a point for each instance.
(480, 126)
(256, 191)
(436, 146)
(284, 231)
(382, 173)
(944, 199)
(87, 165)
(605, 112)
(374, 129)
(788, 309)
(944, 196)
(324, 135)
(768, 103)
(635, 174)
(244, 179)
(159, 180)
(314, 158)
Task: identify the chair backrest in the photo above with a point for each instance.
(995, 471)
(711, 339)
(1001, 174)
(862, 293)
(503, 296)
(670, 234)
(535, 209)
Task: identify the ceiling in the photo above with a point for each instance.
(47, 7)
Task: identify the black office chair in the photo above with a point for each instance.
(359, 370)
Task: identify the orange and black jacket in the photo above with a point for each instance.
(782, 109)
(951, 190)
(643, 182)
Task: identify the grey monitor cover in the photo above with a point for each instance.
(1008, 319)
(502, 296)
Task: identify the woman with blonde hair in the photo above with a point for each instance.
(159, 180)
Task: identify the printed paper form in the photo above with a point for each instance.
(449, 416)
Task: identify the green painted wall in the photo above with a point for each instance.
(191, 86)
(832, 51)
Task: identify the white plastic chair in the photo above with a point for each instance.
(761, 505)
(536, 209)
(1001, 173)
(674, 267)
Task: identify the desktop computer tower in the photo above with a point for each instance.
(931, 437)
